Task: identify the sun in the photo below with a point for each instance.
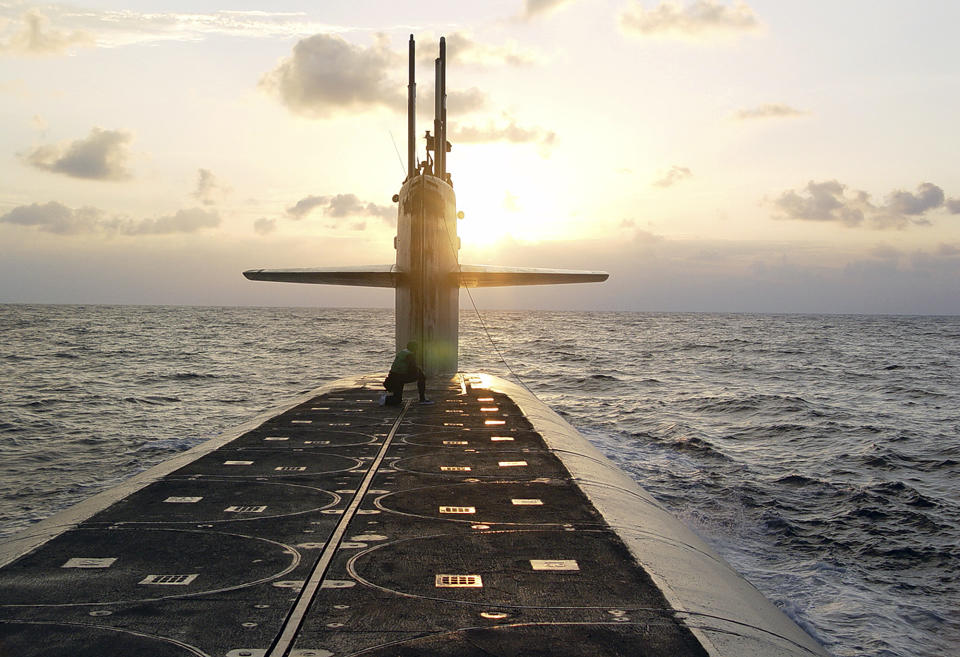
(502, 198)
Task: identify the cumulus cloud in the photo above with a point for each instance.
(341, 206)
(463, 49)
(829, 201)
(37, 37)
(700, 19)
(54, 217)
(325, 75)
(769, 111)
(507, 131)
(183, 221)
(209, 188)
(538, 8)
(953, 205)
(673, 176)
(264, 226)
(102, 155)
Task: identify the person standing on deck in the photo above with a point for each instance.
(403, 371)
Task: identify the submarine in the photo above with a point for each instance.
(483, 524)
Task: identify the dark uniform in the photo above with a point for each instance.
(405, 370)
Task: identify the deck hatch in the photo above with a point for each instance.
(301, 421)
(458, 509)
(498, 439)
(554, 564)
(485, 399)
(183, 500)
(493, 422)
(489, 409)
(458, 581)
(527, 502)
(512, 464)
(290, 468)
(455, 442)
(89, 562)
(455, 468)
(276, 438)
(169, 580)
(238, 462)
(245, 508)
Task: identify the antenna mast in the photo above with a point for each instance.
(412, 114)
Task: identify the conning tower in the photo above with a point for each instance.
(428, 275)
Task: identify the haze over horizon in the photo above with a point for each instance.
(711, 155)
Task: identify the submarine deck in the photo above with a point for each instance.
(342, 527)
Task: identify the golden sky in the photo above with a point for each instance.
(711, 155)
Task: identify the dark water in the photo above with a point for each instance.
(818, 454)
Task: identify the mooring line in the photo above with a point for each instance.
(291, 626)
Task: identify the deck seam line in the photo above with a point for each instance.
(291, 626)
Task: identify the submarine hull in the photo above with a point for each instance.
(481, 525)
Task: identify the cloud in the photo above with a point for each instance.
(341, 206)
(509, 131)
(183, 221)
(464, 50)
(326, 75)
(953, 205)
(700, 19)
(829, 201)
(538, 8)
(769, 111)
(114, 28)
(54, 217)
(209, 188)
(37, 38)
(673, 176)
(101, 156)
(264, 226)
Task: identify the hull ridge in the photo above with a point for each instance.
(481, 525)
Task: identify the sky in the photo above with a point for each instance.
(711, 155)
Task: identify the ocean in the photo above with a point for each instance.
(818, 454)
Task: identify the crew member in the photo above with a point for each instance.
(405, 370)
